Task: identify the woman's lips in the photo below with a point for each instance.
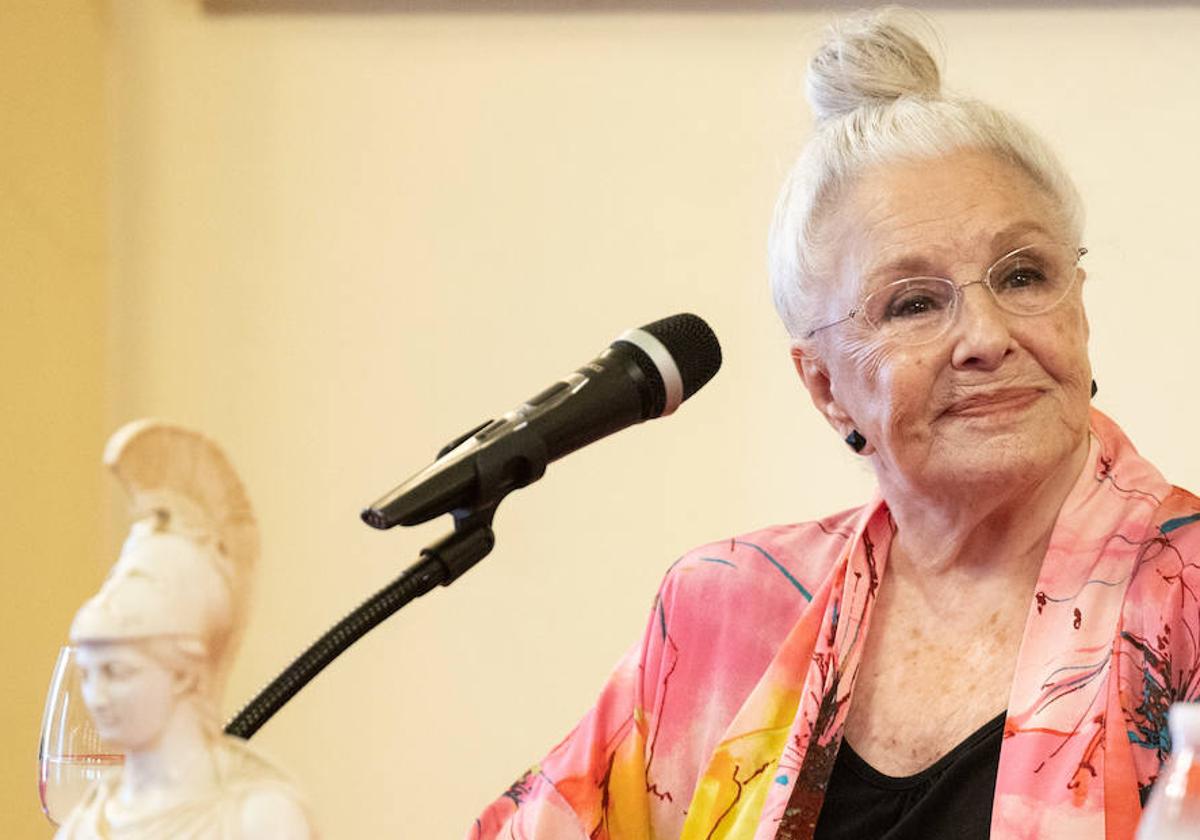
(994, 402)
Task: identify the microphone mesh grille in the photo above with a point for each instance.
(693, 345)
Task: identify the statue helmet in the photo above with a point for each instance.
(185, 568)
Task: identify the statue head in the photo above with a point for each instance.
(162, 630)
(133, 689)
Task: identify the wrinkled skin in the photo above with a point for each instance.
(999, 398)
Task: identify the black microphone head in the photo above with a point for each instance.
(693, 345)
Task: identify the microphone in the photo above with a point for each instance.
(645, 373)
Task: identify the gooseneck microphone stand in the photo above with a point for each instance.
(508, 465)
(441, 564)
(511, 463)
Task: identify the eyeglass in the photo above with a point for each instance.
(1028, 281)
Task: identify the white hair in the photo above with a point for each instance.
(875, 91)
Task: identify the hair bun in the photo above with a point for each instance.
(871, 59)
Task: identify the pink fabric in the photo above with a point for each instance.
(725, 719)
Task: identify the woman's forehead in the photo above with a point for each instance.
(909, 258)
(929, 216)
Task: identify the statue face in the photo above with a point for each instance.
(130, 695)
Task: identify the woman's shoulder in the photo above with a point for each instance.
(1162, 603)
(774, 569)
(1179, 515)
(797, 551)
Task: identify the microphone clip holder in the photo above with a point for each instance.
(503, 463)
(471, 540)
(441, 563)
(501, 466)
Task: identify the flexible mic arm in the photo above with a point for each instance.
(441, 564)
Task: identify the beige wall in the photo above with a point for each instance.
(341, 238)
(52, 317)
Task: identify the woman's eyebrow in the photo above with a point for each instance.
(907, 265)
(1007, 236)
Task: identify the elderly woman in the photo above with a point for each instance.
(987, 648)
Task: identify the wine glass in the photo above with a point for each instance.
(71, 754)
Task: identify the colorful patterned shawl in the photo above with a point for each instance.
(724, 721)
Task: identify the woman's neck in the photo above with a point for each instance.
(1000, 531)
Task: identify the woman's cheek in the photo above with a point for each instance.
(866, 355)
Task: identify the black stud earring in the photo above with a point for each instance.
(855, 440)
(1094, 388)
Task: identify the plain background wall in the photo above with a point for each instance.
(342, 235)
(52, 375)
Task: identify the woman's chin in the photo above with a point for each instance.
(995, 454)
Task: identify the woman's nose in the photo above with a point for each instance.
(981, 330)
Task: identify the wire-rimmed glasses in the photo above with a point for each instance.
(1028, 281)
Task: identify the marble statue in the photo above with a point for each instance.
(154, 647)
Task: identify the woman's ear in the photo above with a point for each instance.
(815, 375)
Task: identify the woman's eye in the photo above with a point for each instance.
(1022, 278)
(912, 305)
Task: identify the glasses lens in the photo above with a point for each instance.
(1033, 279)
(912, 310)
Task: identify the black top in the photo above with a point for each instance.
(949, 800)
